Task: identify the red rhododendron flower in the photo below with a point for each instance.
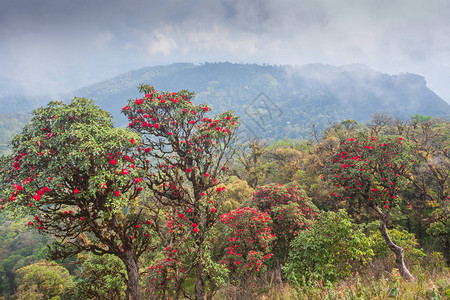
(194, 225)
(117, 193)
(113, 162)
(138, 101)
(188, 170)
(83, 218)
(75, 191)
(156, 125)
(195, 230)
(36, 197)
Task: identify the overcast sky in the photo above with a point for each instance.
(48, 46)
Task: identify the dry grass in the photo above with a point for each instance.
(374, 282)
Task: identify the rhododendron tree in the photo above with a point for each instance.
(170, 267)
(248, 240)
(290, 211)
(184, 153)
(66, 169)
(372, 171)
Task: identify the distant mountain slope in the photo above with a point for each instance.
(280, 101)
(10, 125)
(273, 101)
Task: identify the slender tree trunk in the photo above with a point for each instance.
(278, 278)
(199, 284)
(398, 251)
(133, 288)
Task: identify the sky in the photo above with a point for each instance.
(54, 46)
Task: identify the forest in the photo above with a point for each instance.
(179, 205)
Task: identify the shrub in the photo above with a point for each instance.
(329, 251)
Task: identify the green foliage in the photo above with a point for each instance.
(20, 247)
(42, 280)
(100, 277)
(420, 118)
(401, 238)
(74, 172)
(439, 224)
(329, 251)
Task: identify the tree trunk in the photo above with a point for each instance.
(278, 278)
(199, 284)
(398, 251)
(133, 288)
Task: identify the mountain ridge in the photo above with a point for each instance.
(295, 97)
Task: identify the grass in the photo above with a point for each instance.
(373, 282)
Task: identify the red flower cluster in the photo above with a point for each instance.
(372, 164)
(249, 240)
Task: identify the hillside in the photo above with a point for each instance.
(272, 101)
(280, 101)
(10, 124)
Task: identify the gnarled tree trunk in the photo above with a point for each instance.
(278, 278)
(133, 288)
(398, 251)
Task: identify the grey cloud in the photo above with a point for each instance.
(56, 44)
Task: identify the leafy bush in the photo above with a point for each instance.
(402, 238)
(42, 280)
(329, 251)
(100, 277)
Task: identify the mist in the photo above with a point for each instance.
(50, 47)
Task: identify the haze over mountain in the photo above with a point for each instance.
(272, 101)
(279, 101)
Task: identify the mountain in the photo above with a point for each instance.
(272, 101)
(10, 124)
(280, 101)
